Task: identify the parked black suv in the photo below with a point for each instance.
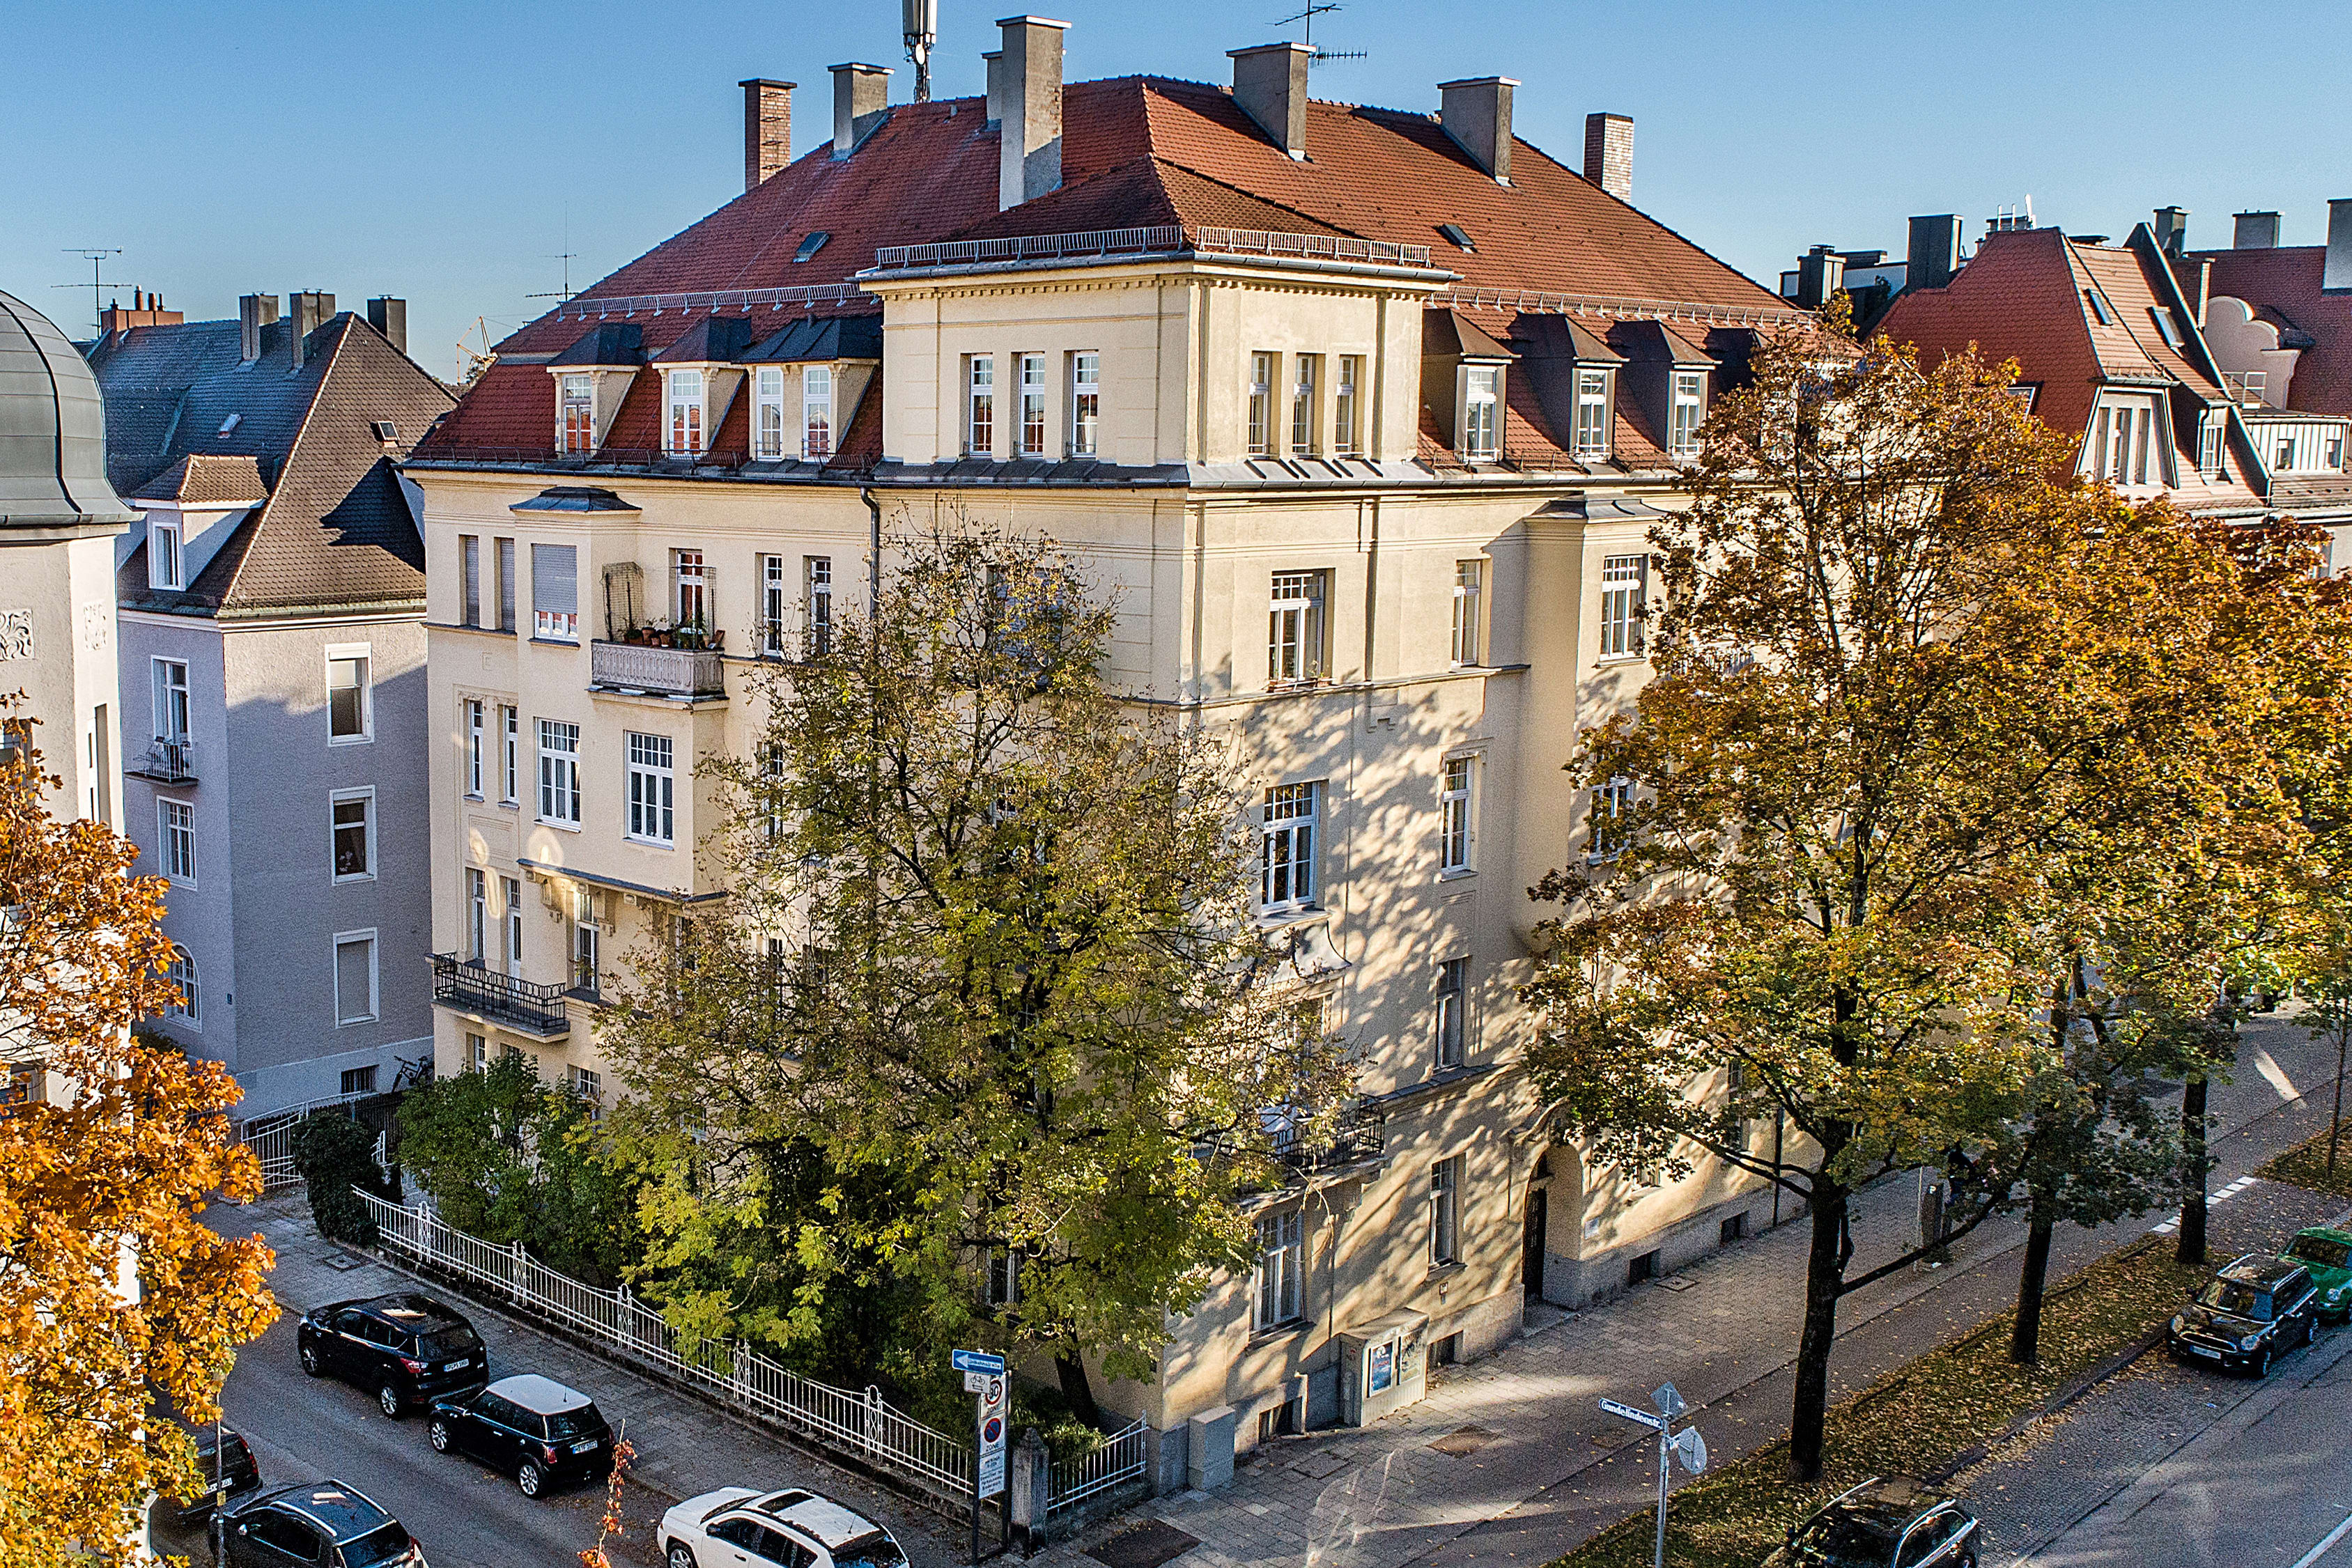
(407, 1350)
(1884, 1522)
(532, 1427)
(325, 1525)
(2249, 1313)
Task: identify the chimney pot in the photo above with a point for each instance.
(1476, 112)
(861, 97)
(1609, 153)
(1933, 253)
(1029, 110)
(310, 311)
(767, 128)
(2335, 272)
(1270, 85)
(2171, 231)
(253, 311)
(2255, 231)
(388, 316)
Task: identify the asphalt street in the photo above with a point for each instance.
(306, 1429)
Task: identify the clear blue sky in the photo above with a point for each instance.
(438, 149)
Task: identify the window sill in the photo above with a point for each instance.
(560, 826)
(1621, 658)
(1448, 1268)
(355, 876)
(478, 797)
(510, 805)
(1290, 915)
(351, 740)
(649, 843)
(557, 641)
(1275, 1332)
(1459, 873)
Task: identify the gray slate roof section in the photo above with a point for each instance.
(52, 429)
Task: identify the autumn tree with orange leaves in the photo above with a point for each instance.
(114, 1295)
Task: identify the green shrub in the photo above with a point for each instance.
(335, 1154)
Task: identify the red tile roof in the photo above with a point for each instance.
(1136, 151)
(2285, 283)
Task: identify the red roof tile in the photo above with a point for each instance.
(2286, 282)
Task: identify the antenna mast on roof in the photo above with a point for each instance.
(1316, 57)
(922, 32)
(96, 256)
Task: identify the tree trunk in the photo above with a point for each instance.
(2191, 1249)
(2335, 1120)
(1076, 1390)
(1824, 1271)
(2025, 1335)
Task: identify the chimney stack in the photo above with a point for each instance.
(767, 128)
(994, 62)
(310, 311)
(2335, 272)
(253, 311)
(1270, 85)
(2172, 231)
(2255, 231)
(1821, 273)
(146, 310)
(390, 317)
(1934, 252)
(1029, 110)
(1476, 112)
(861, 97)
(1609, 153)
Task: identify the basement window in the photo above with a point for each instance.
(1457, 237)
(812, 243)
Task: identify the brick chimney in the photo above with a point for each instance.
(1933, 255)
(1609, 153)
(309, 312)
(1476, 112)
(2171, 231)
(1029, 110)
(767, 128)
(2335, 272)
(253, 311)
(2255, 231)
(1270, 87)
(388, 316)
(861, 97)
(146, 310)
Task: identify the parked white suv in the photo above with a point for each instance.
(736, 1527)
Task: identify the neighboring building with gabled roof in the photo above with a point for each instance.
(270, 598)
(1366, 414)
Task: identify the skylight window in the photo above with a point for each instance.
(2165, 327)
(1457, 237)
(231, 423)
(385, 430)
(812, 243)
(2098, 304)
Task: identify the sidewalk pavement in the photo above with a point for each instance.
(1529, 1467)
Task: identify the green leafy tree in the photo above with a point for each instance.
(335, 1154)
(988, 991)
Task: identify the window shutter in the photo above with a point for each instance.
(554, 579)
(353, 964)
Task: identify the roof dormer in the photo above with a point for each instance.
(807, 381)
(701, 374)
(592, 376)
(1462, 384)
(1573, 374)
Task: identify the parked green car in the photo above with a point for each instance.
(2327, 1255)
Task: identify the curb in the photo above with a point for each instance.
(2083, 1383)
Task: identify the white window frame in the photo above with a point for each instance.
(772, 604)
(477, 1052)
(1611, 802)
(478, 915)
(980, 405)
(176, 831)
(510, 758)
(1305, 380)
(2209, 444)
(586, 957)
(689, 573)
(682, 432)
(341, 653)
(649, 779)
(1592, 421)
(1469, 601)
(170, 683)
(362, 797)
(1445, 1212)
(1687, 415)
(575, 401)
(1002, 1286)
(559, 773)
(1029, 436)
(1086, 403)
(1347, 438)
(768, 413)
(181, 972)
(1623, 579)
(1295, 627)
(1279, 1298)
(167, 561)
(474, 759)
(1457, 789)
(1482, 414)
(816, 591)
(469, 579)
(510, 895)
(1451, 1044)
(816, 412)
(1258, 437)
(335, 975)
(1288, 821)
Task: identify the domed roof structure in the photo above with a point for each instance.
(52, 429)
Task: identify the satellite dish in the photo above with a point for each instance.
(1691, 1449)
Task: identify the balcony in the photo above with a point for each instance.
(657, 672)
(518, 1004)
(168, 762)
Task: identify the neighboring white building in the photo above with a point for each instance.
(274, 732)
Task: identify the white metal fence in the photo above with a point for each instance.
(270, 1136)
(1118, 1460)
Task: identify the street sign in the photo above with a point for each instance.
(978, 1361)
(975, 1382)
(1669, 1400)
(1691, 1449)
(1627, 1412)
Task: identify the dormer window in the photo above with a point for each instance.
(2208, 446)
(1681, 434)
(685, 413)
(577, 395)
(1591, 414)
(768, 414)
(1482, 387)
(165, 566)
(816, 412)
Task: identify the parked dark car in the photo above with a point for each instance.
(229, 1471)
(1884, 1522)
(532, 1427)
(2249, 1314)
(407, 1350)
(324, 1525)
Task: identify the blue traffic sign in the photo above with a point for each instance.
(978, 1361)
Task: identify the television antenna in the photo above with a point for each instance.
(560, 295)
(1316, 57)
(96, 256)
(922, 31)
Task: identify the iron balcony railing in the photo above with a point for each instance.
(169, 761)
(663, 671)
(521, 1004)
(1360, 1135)
(1157, 239)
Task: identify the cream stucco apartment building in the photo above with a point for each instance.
(1363, 415)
